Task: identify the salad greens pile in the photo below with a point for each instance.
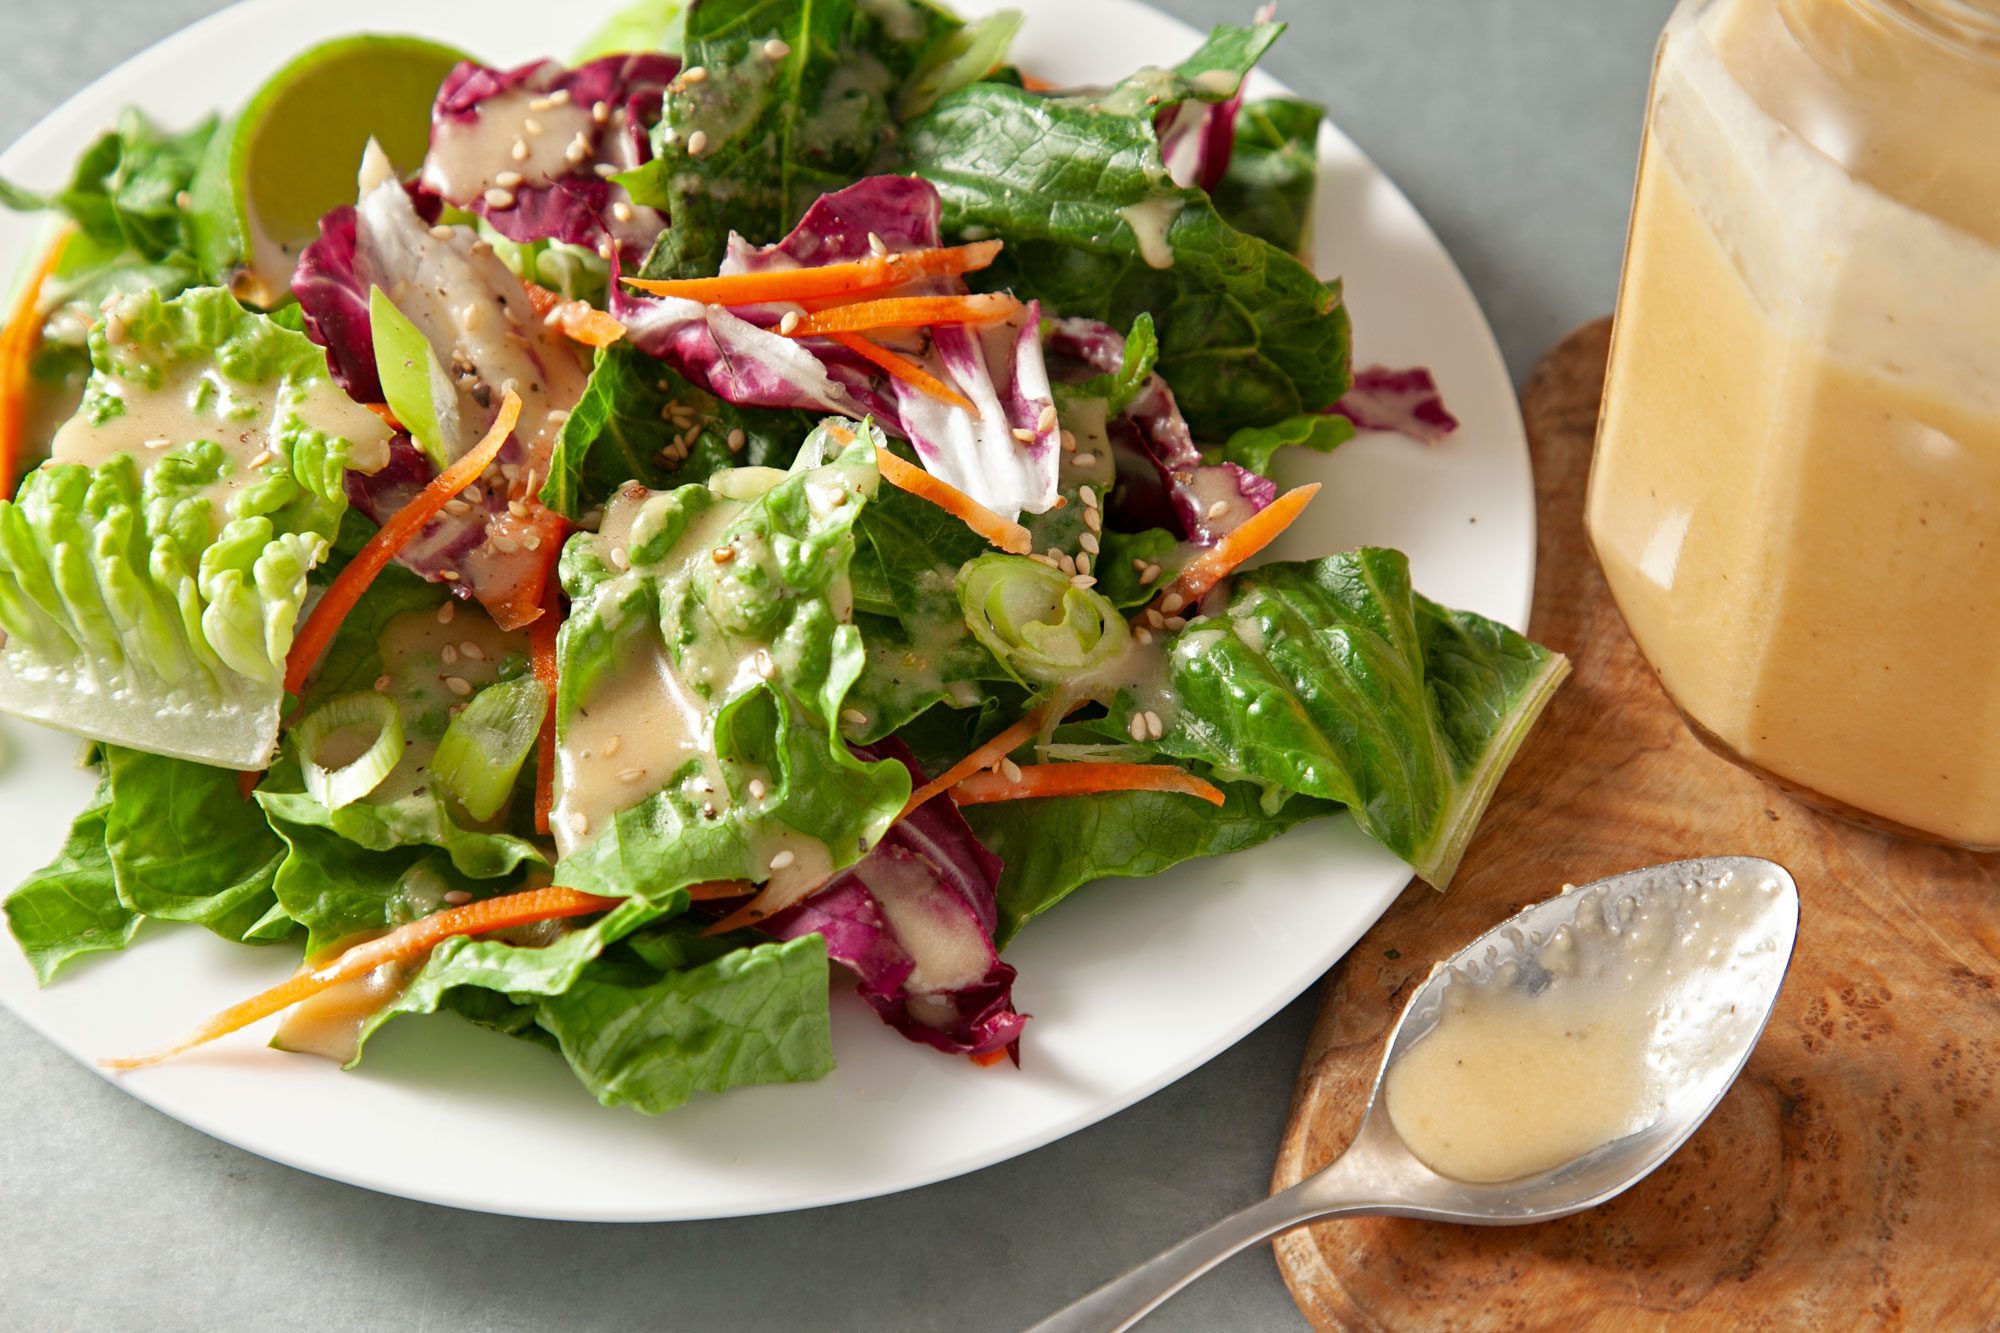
(854, 571)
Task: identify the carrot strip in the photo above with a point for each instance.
(902, 368)
(711, 890)
(905, 312)
(382, 410)
(878, 273)
(990, 1058)
(580, 321)
(1081, 780)
(399, 945)
(1004, 533)
(17, 345)
(1258, 531)
(985, 756)
(542, 531)
(246, 782)
(1035, 85)
(542, 657)
(341, 595)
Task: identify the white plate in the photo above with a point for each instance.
(1132, 983)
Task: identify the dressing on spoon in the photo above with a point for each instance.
(1586, 1036)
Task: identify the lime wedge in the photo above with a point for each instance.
(292, 152)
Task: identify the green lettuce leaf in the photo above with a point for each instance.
(621, 427)
(1051, 848)
(1273, 171)
(1332, 679)
(648, 25)
(71, 906)
(185, 846)
(1253, 446)
(150, 599)
(651, 611)
(1247, 335)
(776, 133)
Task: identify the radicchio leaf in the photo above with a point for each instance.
(736, 355)
(1405, 401)
(560, 187)
(914, 919)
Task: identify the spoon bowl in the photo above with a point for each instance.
(1726, 1004)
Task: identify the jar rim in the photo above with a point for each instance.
(1966, 27)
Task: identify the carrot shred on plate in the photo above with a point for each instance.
(348, 587)
(902, 367)
(17, 346)
(1080, 779)
(1256, 532)
(904, 312)
(1002, 532)
(861, 277)
(399, 945)
(542, 658)
(580, 321)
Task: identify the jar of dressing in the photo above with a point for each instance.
(1796, 489)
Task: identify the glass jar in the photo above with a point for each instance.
(1796, 490)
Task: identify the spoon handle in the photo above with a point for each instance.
(1123, 1301)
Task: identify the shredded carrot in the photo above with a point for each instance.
(542, 657)
(1035, 85)
(341, 595)
(247, 780)
(902, 368)
(862, 277)
(383, 411)
(580, 321)
(1080, 780)
(986, 756)
(988, 1059)
(905, 312)
(1004, 533)
(399, 945)
(539, 534)
(1258, 531)
(711, 890)
(17, 345)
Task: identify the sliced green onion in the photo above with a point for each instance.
(335, 787)
(483, 749)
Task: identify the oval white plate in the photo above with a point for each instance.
(1132, 983)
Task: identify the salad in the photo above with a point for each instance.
(619, 549)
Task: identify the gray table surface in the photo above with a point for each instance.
(1513, 124)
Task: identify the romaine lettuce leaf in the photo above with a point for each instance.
(152, 573)
(1096, 227)
(71, 906)
(1267, 190)
(185, 846)
(1332, 679)
(644, 25)
(704, 670)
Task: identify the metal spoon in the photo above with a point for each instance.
(1378, 1174)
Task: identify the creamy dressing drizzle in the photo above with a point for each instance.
(467, 155)
(1531, 1067)
(196, 401)
(1150, 221)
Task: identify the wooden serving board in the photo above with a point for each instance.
(1851, 1177)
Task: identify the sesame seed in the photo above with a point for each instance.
(693, 74)
(600, 111)
(1087, 494)
(158, 442)
(1047, 421)
(631, 774)
(447, 612)
(1171, 603)
(458, 685)
(606, 248)
(1218, 509)
(1023, 434)
(604, 170)
(542, 104)
(499, 198)
(1153, 724)
(736, 441)
(533, 541)
(1043, 560)
(519, 152)
(1138, 565)
(261, 457)
(382, 682)
(1088, 540)
(472, 316)
(622, 211)
(619, 558)
(578, 149)
(472, 651)
(776, 49)
(1010, 770)
(1086, 460)
(579, 823)
(440, 232)
(789, 323)
(877, 245)
(560, 97)
(854, 715)
(1083, 564)
(1068, 443)
(531, 125)
(448, 575)
(183, 200)
(1149, 573)
(510, 180)
(458, 897)
(722, 555)
(1176, 623)
(1082, 581)
(1142, 634)
(1135, 726)
(757, 789)
(1154, 619)
(1094, 519)
(457, 508)
(448, 655)
(782, 860)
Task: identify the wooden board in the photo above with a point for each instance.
(1852, 1176)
